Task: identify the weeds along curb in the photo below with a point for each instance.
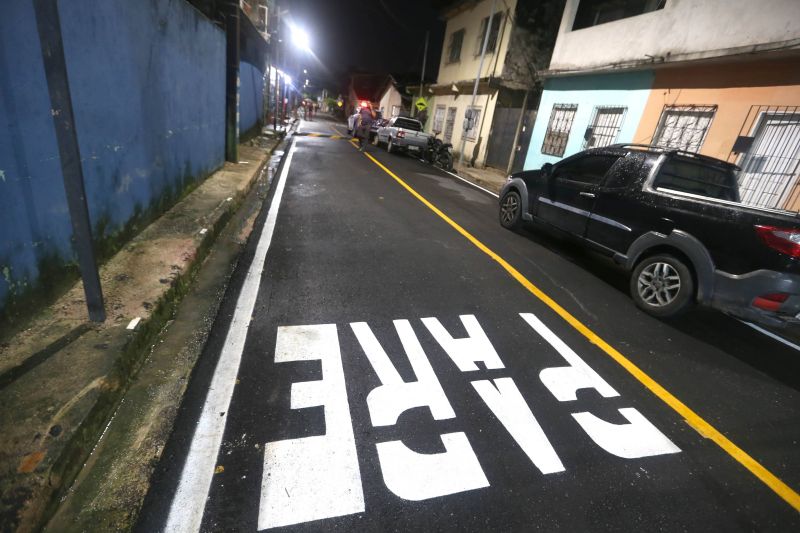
(136, 348)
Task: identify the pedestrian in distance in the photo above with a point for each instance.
(366, 116)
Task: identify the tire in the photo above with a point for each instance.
(662, 286)
(390, 146)
(511, 211)
(446, 161)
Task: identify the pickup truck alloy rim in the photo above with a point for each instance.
(659, 284)
(509, 208)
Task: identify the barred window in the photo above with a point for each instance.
(684, 127)
(555, 140)
(454, 50)
(438, 119)
(604, 127)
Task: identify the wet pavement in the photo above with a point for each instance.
(387, 357)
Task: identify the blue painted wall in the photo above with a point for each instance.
(251, 96)
(148, 89)
(629, 89)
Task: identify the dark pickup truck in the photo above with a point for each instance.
(673, 219)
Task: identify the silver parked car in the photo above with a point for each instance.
(402, 134)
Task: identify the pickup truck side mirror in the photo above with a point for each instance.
(547, 169)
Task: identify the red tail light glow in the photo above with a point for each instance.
(770, 302)
(401, 134)
(784, 240)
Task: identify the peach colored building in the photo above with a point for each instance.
(718, 77)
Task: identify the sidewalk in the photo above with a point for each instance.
(487, 177)
(62, 378)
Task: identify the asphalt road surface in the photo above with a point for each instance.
(388, 358)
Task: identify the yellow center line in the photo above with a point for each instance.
(693, 419)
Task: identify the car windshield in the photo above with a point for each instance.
(696, 177)
(408, 124)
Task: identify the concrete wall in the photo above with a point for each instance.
(148, 89)
(684, 29)
(251, 96)
(630, 90)
(470, 20)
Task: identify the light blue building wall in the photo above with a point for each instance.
(630, 90)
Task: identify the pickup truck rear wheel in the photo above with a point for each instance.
(511, 211)
(662, 285)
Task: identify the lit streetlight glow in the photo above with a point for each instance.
(300, 38)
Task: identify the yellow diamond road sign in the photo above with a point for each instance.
(421, 104)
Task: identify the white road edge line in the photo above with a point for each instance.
(473, 184)
(188, 504)
(771, 335)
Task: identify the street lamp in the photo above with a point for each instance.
(300, 38)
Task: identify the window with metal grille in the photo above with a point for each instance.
(454, 50)
(438, 119)
(771, 161)
(684, 127)
(555, 140)
(604, 126)
(490, 45)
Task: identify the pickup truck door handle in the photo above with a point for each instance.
(587, 194)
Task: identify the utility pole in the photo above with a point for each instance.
(516, 133)
(475, 88)
(48, 25)
(232, 81)
(424, 58)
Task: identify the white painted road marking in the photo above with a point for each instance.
(408, 474)
(508, 405)
(565, 381)
(395, 396)
(312, 478)
(638, 438)
(469, 350)
(186, 510)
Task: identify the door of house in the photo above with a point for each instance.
(449, 124)
(501, 136)
(770, 168)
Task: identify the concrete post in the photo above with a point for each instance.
(48, 26)
(232, 81)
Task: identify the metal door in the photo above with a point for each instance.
(501, 136)
(770, 168)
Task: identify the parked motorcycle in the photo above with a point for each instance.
(438, 153)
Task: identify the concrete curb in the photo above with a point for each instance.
(40, 489)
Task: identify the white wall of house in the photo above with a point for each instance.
(682, 30)
(484, 102)
(390, 101)
(470, 20)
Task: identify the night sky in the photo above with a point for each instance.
(380, 36)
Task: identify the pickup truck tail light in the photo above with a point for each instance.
(401, 134)
(770, 302)
(785, 240)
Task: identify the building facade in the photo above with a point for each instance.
(656, 72)
(518, 45)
